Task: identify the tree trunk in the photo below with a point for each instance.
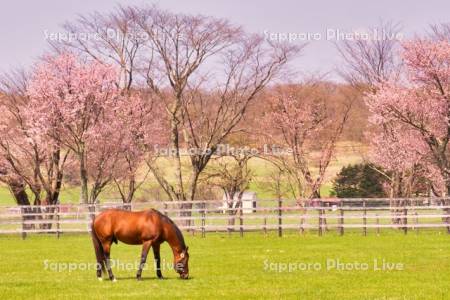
(315, 194)
(131, 190)
(233, 207)
(84, 196)
(179, 191)
(54, 198)
(19, 192)
(18, 189)
(396, 192)
(229, 198)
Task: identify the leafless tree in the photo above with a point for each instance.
(367, 62)
(440, 31)
(232, 174)
(111, 37)
(370, 60)
(204, 70)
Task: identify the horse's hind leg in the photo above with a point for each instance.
(145, 248)
(157, 256)
(100, 267)
(106, 251)
(99, 256)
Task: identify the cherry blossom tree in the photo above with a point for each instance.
(141, 122)
(416, 109)
(301, 122)
(27, 160)
(18, 151)
(71, 103)
(366, 64)
(416, 112)
(402, 158)
(80, 106)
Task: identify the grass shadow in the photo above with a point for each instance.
(143, 278)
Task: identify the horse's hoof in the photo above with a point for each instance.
(100, 278)
(160, 277)
(114, 280)
(139, 278)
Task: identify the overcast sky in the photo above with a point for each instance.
(24, 23)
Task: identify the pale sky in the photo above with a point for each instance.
(23, 23)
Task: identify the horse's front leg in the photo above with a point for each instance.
(145, 248)
(157, 260)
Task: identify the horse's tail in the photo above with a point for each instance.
(99, 254)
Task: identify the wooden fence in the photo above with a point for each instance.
(317, 215)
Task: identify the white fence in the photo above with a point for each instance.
(318, 215)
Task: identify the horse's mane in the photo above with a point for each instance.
(177, 230)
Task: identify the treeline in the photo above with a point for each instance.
(98, 108)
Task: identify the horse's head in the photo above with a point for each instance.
(181, 264)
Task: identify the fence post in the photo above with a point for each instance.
(305, 218)
(192, 226)
(230, 221)
(341, 219)
(92, 207)
(57, 221)
(241, 221)
(320, 217)
(416, 221)
(405, 219)
(302, 218)
(447, 211)
(24, 233)
(378, 225)
(265, 225)
(364, 218)
(192, 221)
(203, 219)
(280, 218)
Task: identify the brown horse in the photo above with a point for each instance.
(148, 228)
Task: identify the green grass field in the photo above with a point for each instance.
(236, 268)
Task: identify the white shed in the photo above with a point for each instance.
(249, 200)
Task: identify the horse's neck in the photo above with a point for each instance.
(174, 241)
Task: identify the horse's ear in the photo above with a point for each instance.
(187, 248)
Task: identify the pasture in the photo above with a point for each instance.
(261, 169)
(239, 268)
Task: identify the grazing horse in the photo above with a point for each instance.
(148, 228)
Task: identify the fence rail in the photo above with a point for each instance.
(318, 215)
